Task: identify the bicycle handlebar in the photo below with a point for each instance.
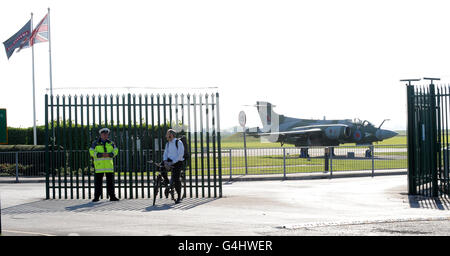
(160, 166)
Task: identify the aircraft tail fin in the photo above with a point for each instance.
(266, 113)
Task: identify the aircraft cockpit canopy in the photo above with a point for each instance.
(364, 123)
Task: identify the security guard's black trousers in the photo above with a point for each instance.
(99, 185)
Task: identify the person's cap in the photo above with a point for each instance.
(172, 131)
(104, 130)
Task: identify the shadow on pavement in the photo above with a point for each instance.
(186, 204)
(439, 203)
(142, 205)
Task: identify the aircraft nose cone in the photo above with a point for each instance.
(385, 134)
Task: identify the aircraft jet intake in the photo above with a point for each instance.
(337, 131)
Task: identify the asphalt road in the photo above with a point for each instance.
(343, 206)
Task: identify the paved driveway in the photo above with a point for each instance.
(343, 206)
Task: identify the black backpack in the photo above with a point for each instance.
(186, 155)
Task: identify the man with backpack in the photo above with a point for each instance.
(174, 155)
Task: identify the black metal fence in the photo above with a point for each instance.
(22, 163)
(138, 126)
(428, 144)
(319, 159)
(260, 161)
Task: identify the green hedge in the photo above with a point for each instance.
(79, 137)
(7, 169)
(16, 148)
(24, 136)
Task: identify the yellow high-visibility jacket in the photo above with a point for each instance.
(103, 164)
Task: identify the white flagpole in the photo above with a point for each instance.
(50, 53)
(50, 63)
(34, 94)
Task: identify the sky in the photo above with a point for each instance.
(312, 59)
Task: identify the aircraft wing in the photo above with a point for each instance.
(296, 132)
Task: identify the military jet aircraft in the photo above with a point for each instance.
(309, 132)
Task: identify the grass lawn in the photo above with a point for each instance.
(237, 141)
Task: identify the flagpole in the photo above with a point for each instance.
(50, 63)
(34, 94)
(50, 53)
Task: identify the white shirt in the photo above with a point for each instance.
(172, 152)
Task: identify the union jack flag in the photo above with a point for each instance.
(39, 34)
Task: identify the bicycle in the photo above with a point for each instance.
(163, 180)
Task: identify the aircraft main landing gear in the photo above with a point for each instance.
(304, 153)
(368, 153)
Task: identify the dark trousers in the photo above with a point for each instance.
(109, 185)
(175, 179)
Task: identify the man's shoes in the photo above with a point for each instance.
(178, 201)
(114, 199)
(95, 200)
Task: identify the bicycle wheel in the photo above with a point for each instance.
(156, 187)
(183, 180)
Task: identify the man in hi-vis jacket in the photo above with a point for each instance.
(103, 151)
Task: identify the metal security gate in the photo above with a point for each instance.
(428, 142)
(138, 126)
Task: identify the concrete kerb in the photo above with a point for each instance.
(260, 177)
(22, 180)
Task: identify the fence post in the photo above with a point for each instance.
(331, 161)
(17, 167)
(373, 160)
(434, 141)
(284, 163)
(0, 215)
(245, 153)
(231, 166)
(326, 157)
(219, 144)
(46, 154)
(434, 149)
(411, 133)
